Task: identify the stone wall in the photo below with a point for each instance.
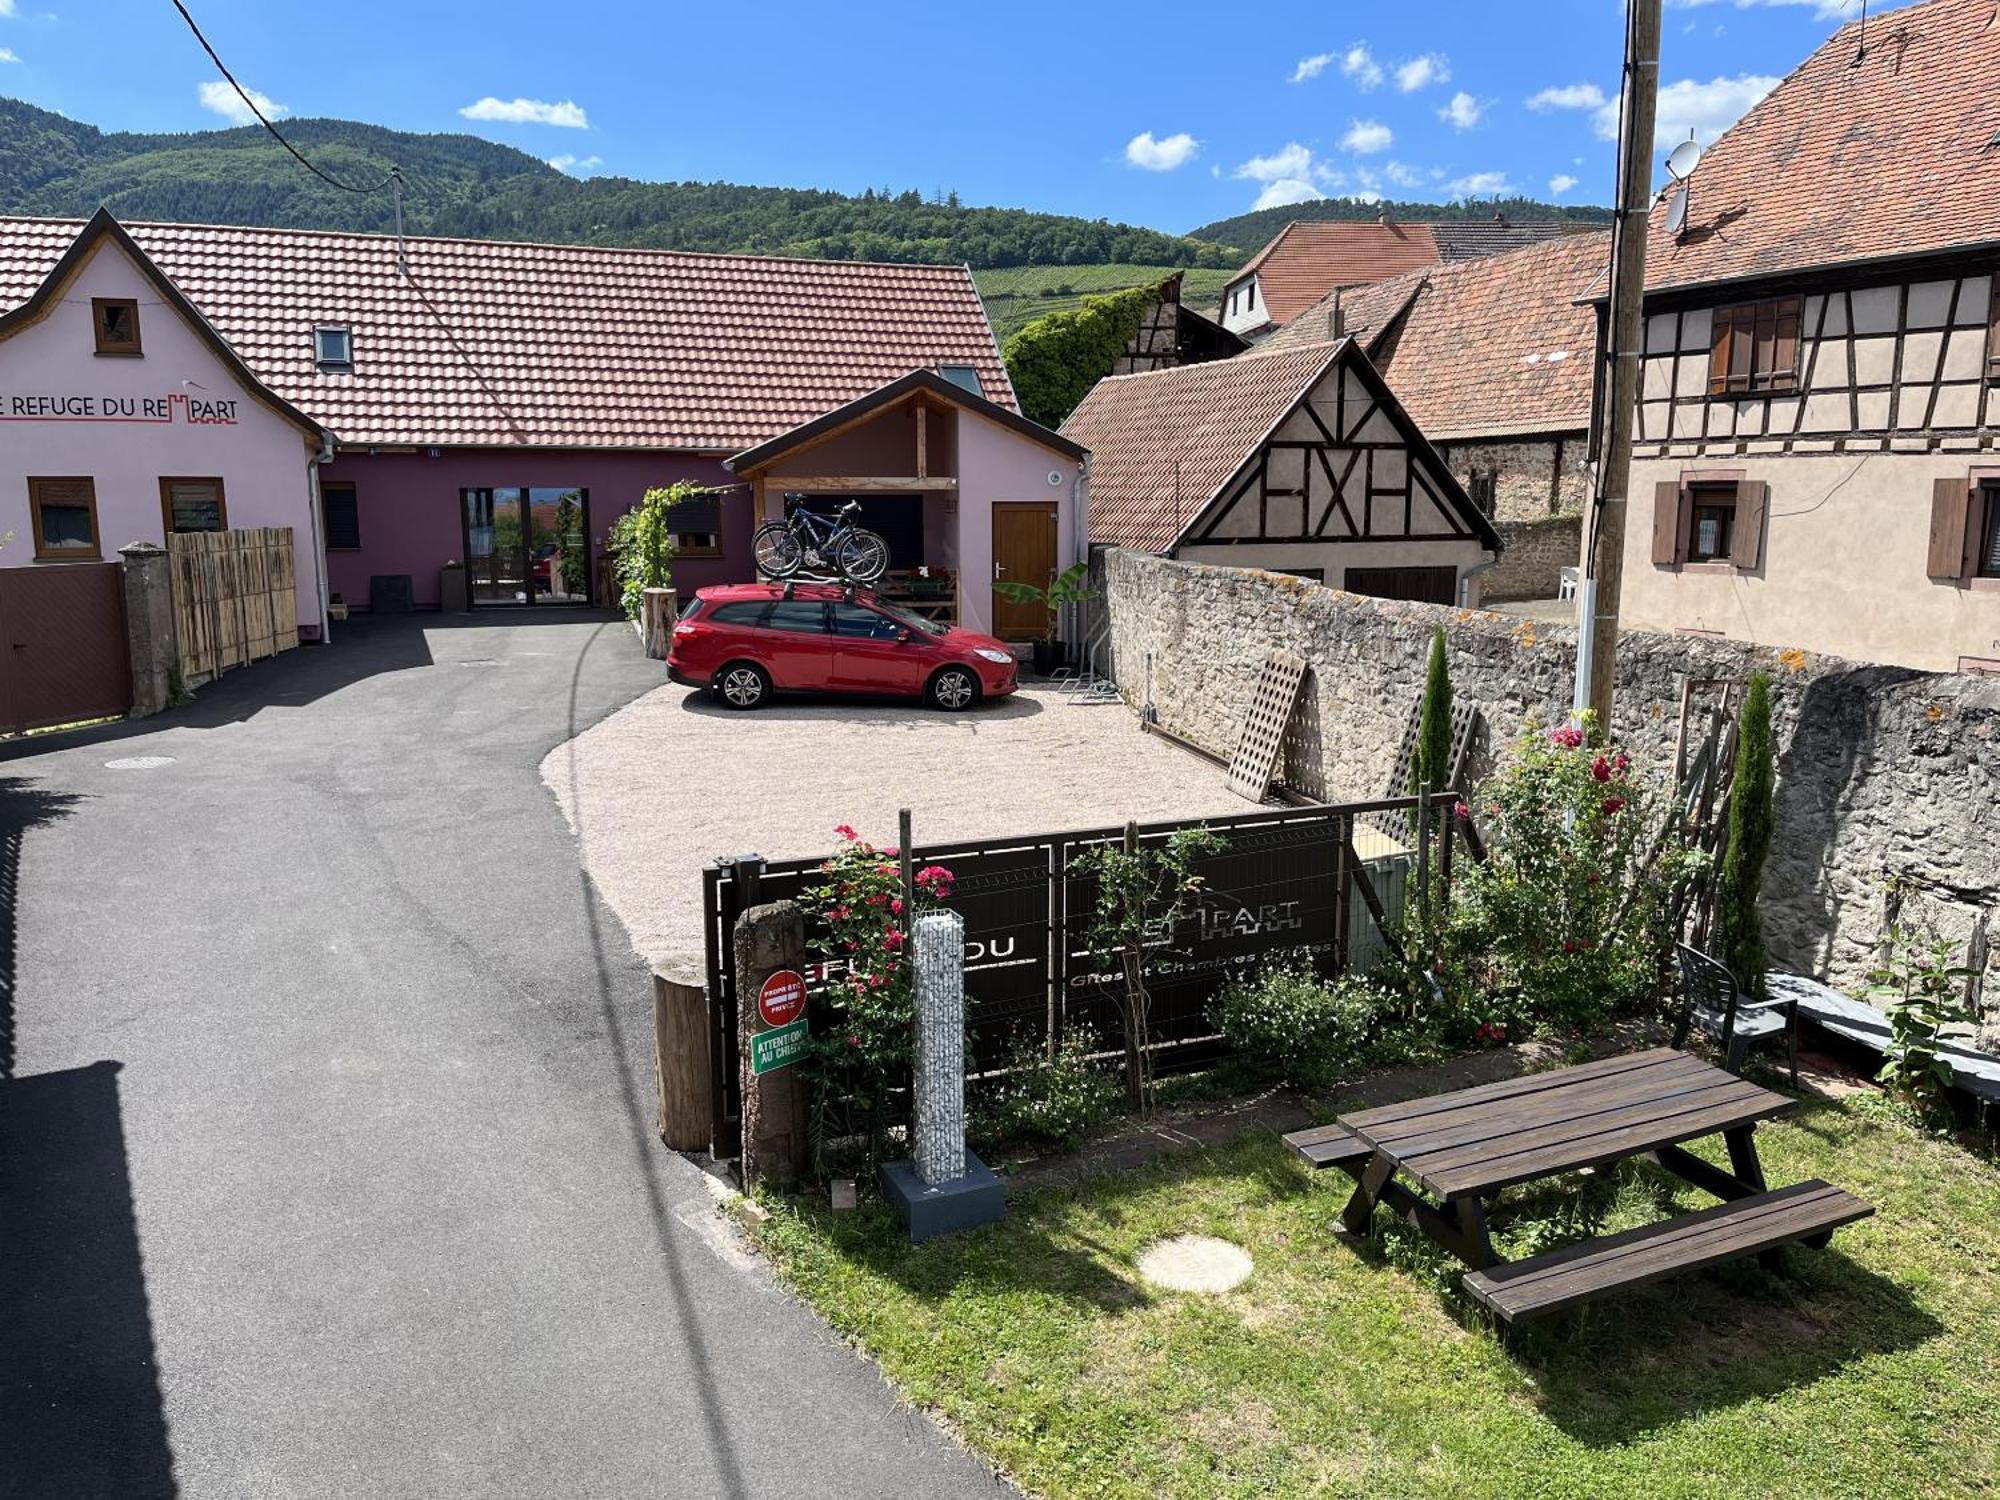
(1530, 477)
(1883, 772)
(1537, 552)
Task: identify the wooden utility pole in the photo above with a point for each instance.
(1604, 562)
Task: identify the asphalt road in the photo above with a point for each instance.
(326, 1159)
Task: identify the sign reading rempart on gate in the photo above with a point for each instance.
(782, 999)
(778, 1048)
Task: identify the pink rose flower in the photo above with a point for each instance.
(896, 905)
(1600, 769)
(1612, 806)
(1568, 736)
(846, 832)
(1461, 812)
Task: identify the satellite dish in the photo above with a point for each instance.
(1677, 211)
(1683, 159)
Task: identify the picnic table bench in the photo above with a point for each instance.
(1465, 1147)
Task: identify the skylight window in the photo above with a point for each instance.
(333, 346)
(964, 376)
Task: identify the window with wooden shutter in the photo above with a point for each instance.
(1746, 543)
(1754, 348)
(192, 505)
(1668, 497)
(1983, 524)
(114, 323)
(64, 515)
(1951, 510)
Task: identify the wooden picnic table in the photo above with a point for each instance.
(1467, 1146)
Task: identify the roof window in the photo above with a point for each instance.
(333, 347)
(964, 376)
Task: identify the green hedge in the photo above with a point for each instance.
(1055, 360)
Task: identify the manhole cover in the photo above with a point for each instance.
(1195, 1263)
(139, 763)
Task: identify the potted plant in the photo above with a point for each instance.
(1066, 588)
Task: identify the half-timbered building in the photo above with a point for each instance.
(1298, 461)
(1814, 459)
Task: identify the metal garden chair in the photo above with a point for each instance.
(1711, 1000)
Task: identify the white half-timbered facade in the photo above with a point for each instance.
(1297, 461)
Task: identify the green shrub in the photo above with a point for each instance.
(1289, 1022)
(1055, 360)
(1739, 928)
(1049, 1102)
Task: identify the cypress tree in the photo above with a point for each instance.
(1432, 758)
(1739, 929)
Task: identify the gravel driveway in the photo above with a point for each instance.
(672, 780)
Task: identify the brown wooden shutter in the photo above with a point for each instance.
(1667, 522)
(1718, 353)
(1951, 508)
(1785, 369)
(1746, 535)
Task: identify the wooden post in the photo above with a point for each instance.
(1625, 326)
(769, 940)
(681, 1063)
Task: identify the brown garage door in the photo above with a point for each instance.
(63, 654)
(1427, 585)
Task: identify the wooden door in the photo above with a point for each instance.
(1024, 551)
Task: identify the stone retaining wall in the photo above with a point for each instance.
(1883, 772)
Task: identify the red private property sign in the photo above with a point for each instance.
(783, 998)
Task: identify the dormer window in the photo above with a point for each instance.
(333, 348)
(115, 321)
(964, 376)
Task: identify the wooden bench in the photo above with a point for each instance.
(1544, 1284)
(1330, 1146)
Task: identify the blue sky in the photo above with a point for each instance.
(1161, 114)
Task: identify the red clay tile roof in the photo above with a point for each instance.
(1840, 163)
(574, 346)
(1487, 348)
(1162, 443)
(1310, 257)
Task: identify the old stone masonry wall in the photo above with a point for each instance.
(1883, 772)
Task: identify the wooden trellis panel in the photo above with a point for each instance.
(1263, 738)
(1464, 718)
(235, 597)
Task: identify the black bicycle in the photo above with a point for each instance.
(832, 547)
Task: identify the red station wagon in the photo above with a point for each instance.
(745, 641)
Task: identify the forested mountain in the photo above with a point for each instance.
(1249, 232)
(461, 185)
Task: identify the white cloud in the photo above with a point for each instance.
(1403, 175)
(1161, 155)
(1463, 112)
(1569, 96)
(1823, 10)
(1327, 175)
(567, 114)
(576, 166)
(1422, 72)
(8, 11)
(1289, 160)
(1703, 109)
(1287, 190)
(1561, 183)
(1366, 137)
(1479, 184)
(1359, 64)
(1311, 67)
(219, 98)
(8, 55)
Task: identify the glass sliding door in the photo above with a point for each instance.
(527, 546)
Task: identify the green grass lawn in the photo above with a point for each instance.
(1015, 295)
(1868, 1369)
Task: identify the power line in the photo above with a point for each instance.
(251, 104)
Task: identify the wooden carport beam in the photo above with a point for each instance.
(841, 484)
(922, 410)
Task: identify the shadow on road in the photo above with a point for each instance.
(79, 1390)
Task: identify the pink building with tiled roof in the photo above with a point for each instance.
(500, 404)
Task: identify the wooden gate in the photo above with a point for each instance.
(63, 651)
(234, 598)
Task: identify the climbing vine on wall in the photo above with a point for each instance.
(1055, 360)
(643, 544)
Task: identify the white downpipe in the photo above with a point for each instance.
(325, 456)
(1586, 635)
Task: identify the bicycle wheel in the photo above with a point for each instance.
(777, 550)
(862, 556)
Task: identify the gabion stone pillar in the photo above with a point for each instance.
(945, 1187)
(938, 1129)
